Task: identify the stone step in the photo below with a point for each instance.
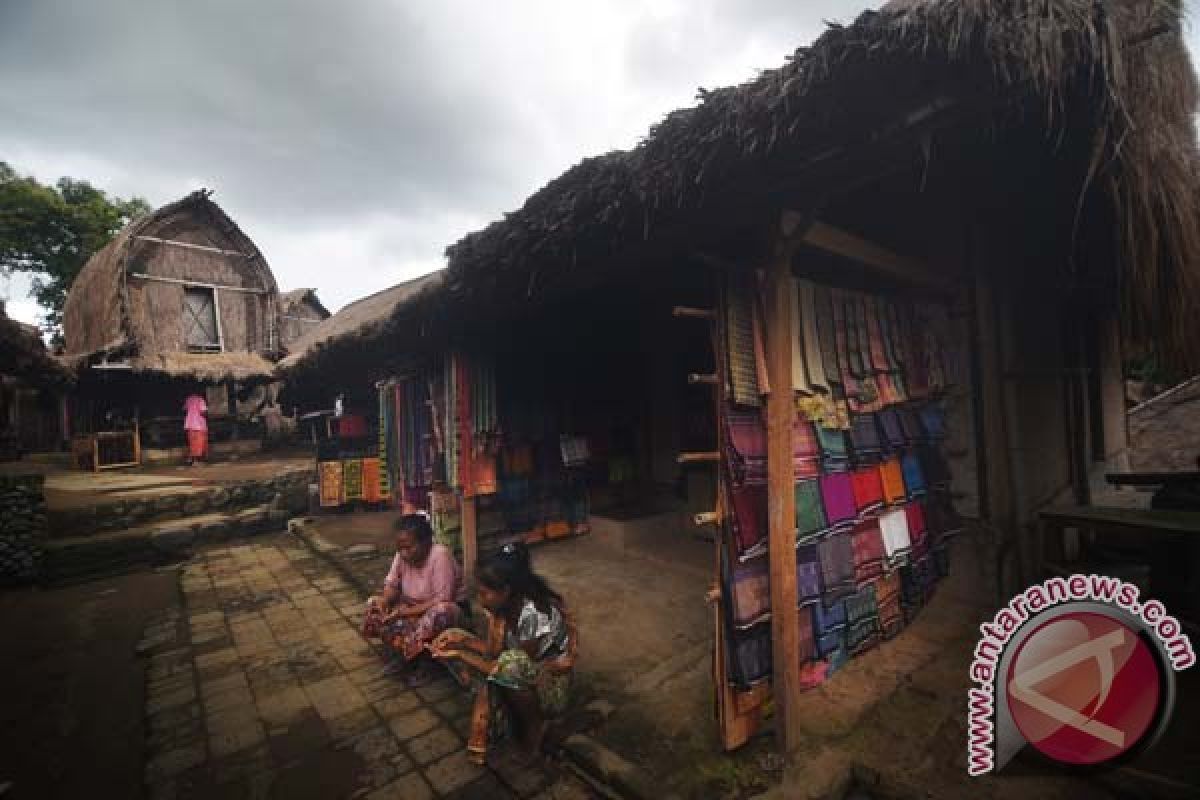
(288, 490)
(77, 557)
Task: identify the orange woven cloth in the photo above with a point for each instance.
(893, 481)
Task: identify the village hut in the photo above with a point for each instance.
(180, 300)
(32, 386)
(977, 201)
(300, 312)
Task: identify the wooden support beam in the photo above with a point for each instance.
(781, 499)
(695, 377)
(694, 313)
(470, 541)
(846, 244)
(706, 518)
(698, 458)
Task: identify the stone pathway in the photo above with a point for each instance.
(260, 686)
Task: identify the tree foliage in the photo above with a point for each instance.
(51, 231)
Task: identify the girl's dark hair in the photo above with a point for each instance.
(415, 524)
(509, 568)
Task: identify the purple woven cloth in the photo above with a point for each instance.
(837, 493)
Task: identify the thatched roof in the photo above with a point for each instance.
(206, 367)
(360, 320)
(23, 354)
(1117, 69)
(99, 320)
(288, 301)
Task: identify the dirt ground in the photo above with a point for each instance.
(71, 701)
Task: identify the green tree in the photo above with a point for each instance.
(51, 232)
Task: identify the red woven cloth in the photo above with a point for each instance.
(868, 490)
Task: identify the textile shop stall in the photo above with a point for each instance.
(439, 446)
(870, 485)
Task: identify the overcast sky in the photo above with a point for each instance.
(354, 140)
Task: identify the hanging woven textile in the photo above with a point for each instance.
(739, 328)
(330, 480)
(352, 479)
(382, 468)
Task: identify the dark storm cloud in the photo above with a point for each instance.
(297, 108)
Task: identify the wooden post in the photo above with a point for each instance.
(781, 499)
(470, 541)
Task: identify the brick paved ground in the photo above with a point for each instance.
(260, 685)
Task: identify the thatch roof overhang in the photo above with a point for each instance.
(865, 96)
(23, 356)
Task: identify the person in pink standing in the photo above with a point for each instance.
(420, 600)
(195, 425)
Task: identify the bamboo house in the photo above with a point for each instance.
(180, 301)
(836, 315)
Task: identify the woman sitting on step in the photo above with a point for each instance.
(521, 669)
(420, 600)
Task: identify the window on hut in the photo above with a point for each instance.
(201, 330)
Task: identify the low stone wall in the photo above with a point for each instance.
(22, 527)
(291, 488)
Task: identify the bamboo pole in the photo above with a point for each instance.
(781, 500)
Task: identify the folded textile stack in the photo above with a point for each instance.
(869, 553)
(810, 512)
(837, 495)
(864, 440)
(933, 467)
(868, 491)
(806, 452)
(918, 534)
(912, 596)
(748, 522)
(941, 559)
(748, 585)
(808, 575)
(913, 475)
(829, 627)
(894, 438)
(910, 426)
(887, 597)
(896, 541)
(835, 453)
(808, 639)
(933, 421)
(892, 477)
(746, 443)
(836, 554)
(862, 620)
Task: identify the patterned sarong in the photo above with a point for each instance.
(887, 597)
(869, 553)
(808, 574)
(810, 337)
(806, 454)
(407, 636)
(749, 655)
(749, 518)
(837, 495)
(862, 620)
(746, 445)
(352, 479)
(748, 587)
(739, 335)
(896, 542)
(864, 440)
(914, 478)
(868, 490)
(893, 482)
(835, 455)
(330, 480)
(836, 554)
(810, 511)
(893, 433)
(808, 641)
